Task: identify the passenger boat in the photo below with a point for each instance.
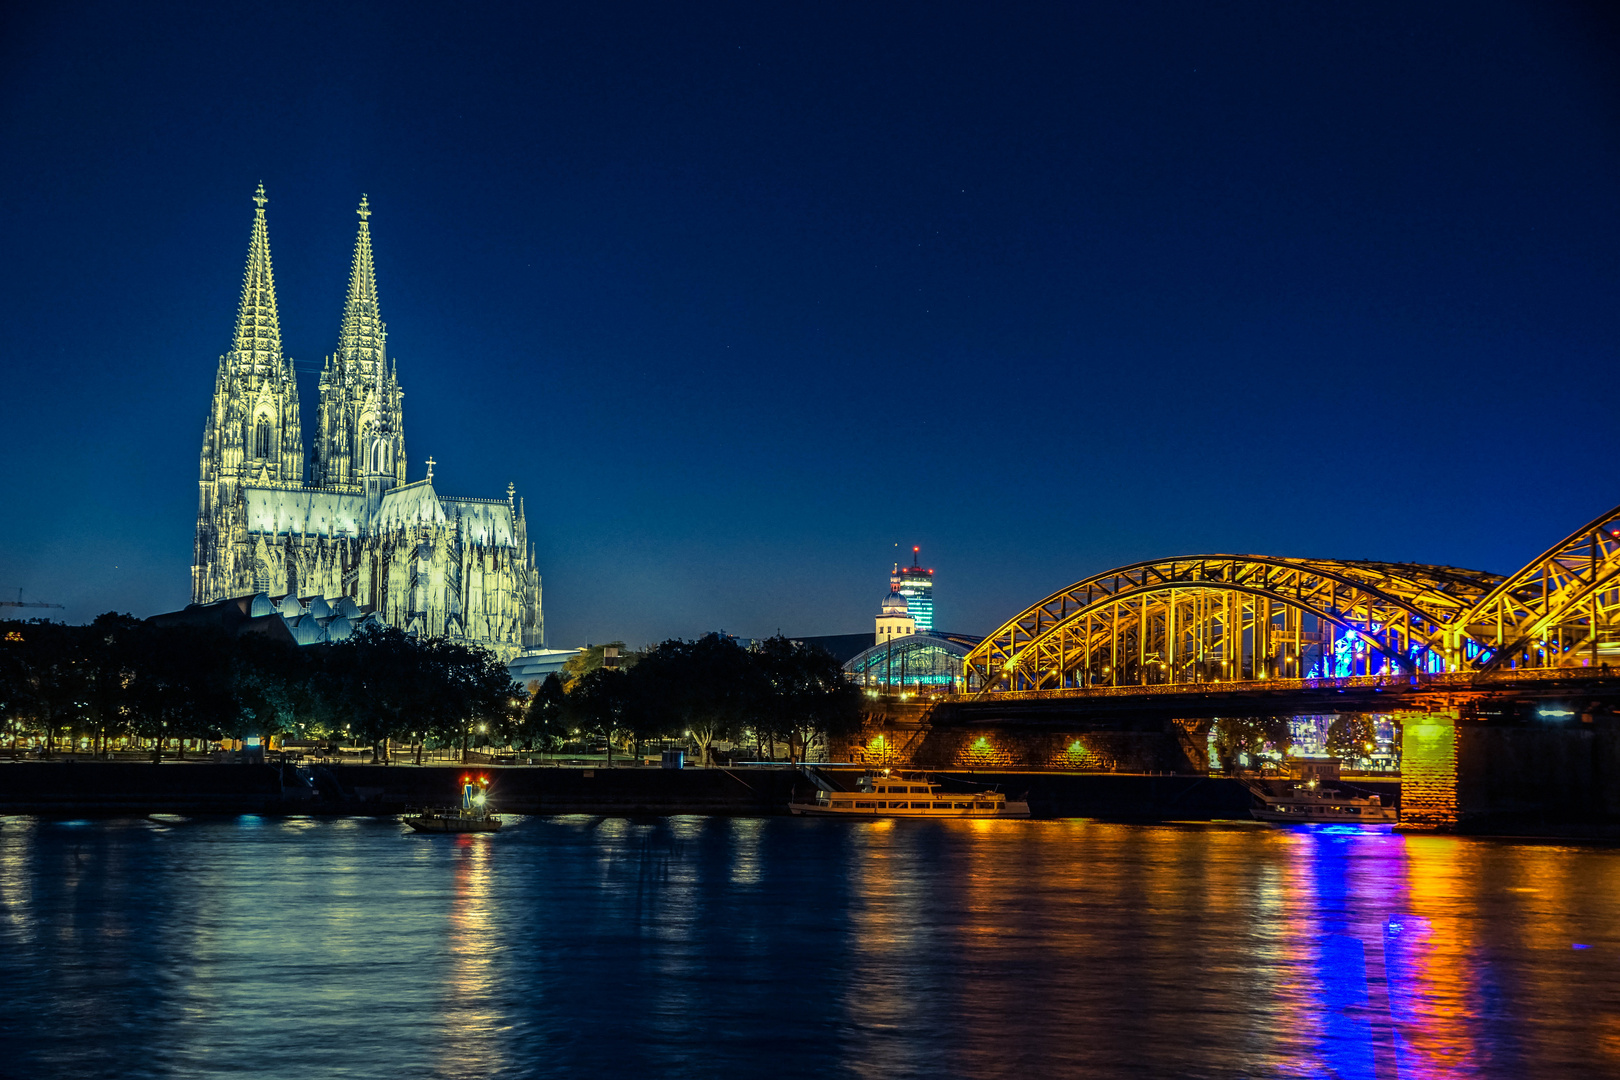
(471, 816)
(914, 795)
(1309, 803)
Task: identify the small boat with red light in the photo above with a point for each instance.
(472, 816)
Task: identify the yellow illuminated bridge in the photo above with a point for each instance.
(1249, 619)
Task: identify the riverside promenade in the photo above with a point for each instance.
(96, 788)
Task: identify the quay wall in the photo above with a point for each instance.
(117, 788)
(133, 789)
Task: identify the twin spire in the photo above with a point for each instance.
(359, 441)
(361, 338)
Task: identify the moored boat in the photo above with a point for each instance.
(911, 795)
(473, 815)
(1309, 803)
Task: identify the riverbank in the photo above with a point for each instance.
(99, 788)
(121, 789)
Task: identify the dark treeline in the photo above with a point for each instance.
(701, 692)
(119, 681)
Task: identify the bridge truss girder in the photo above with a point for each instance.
(1561, 610)
(1225, 617)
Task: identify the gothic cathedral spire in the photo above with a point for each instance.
(360, 444)
(252, 434)
(258, 328)
(362, 336)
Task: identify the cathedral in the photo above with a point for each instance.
(344, 532)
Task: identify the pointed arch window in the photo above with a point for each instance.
(263, 439)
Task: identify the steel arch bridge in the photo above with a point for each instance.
(1242, 618)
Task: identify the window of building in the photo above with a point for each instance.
(262, 439)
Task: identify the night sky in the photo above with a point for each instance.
(742, 297)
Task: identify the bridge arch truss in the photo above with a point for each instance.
(1561, 610)
(1220, 618)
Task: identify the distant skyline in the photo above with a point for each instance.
(741, 298)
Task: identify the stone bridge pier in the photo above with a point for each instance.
(1508, 773)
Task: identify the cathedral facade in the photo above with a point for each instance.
(350, 526)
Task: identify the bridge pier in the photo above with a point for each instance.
(1514, 768)
(1429, 745)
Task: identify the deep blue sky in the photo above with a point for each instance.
(740, 297)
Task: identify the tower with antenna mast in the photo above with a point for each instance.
(917, 586)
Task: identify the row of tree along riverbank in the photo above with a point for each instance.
(119, 683)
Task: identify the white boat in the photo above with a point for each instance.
(1309, 803)
(913, 795)
(471, 816)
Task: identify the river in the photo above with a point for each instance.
(779, 947)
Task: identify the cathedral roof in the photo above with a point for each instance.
(309, 511)
(409, 506)
(483, 521)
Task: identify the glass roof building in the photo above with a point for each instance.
(919, 663)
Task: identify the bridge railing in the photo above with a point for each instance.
(1452, 680)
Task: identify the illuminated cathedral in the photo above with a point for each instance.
(351, 537)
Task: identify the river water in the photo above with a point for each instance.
(716, 947)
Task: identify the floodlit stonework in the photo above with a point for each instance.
(460, 568)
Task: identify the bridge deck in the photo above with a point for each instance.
(1378, 693)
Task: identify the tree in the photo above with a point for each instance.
(56, 683)
(807, 696)
(1351, 735)
(543, 725)
(180, 686)
(592, 657)
(112, 648)
(493, 701)
(706, 689)
(1252, 735)
(376, 679)
(19, 691)
(597, 705)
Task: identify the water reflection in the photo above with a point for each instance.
(702, 947)
(1431, 963)
(472, 1016)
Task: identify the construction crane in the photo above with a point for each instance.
(31, 603)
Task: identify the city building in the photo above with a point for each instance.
(894, 618)
(916, 584)
(905, 656)
(286, 619)
(354, 527)
(530, 668)
(920, 663)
